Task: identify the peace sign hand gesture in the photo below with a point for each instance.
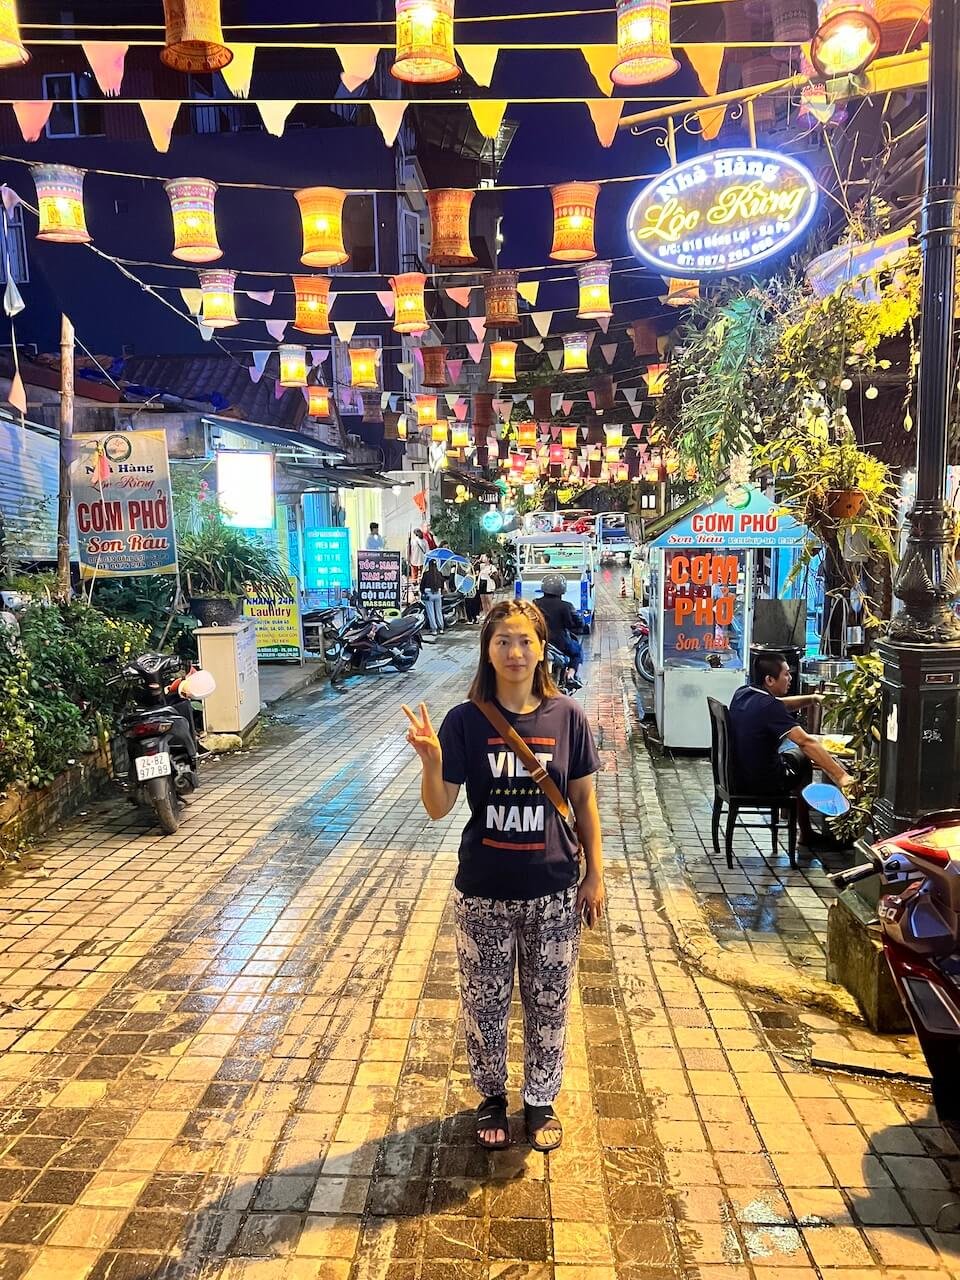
(422, 736)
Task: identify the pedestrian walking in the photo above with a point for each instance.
(418, 553)
(486, 583)
(431, 588)
(527, 757)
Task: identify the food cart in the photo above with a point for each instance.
(704, 581)
(569, 554)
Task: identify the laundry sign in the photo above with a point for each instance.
(722, 212)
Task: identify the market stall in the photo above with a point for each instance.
(704, 583)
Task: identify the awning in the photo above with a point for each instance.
(281, 439)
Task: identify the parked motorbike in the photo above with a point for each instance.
(450, 603)
(325, 625)
(642, 657)
(160, 734)
(919, 916)
(367, 643)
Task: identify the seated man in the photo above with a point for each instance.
(563, 622)
(772, 753)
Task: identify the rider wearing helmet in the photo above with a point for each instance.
(563, 621)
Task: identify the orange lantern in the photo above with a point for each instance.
(434, 366)
(60, 203)
(312, 295)
(409, 315)
(293, 365)
(500, 300)
(438, 432)
(680, 293)
(503, 361)
(194, 227)
(459, 436)
(643, 41)
(318, 401)
(426, 407)
(363, 368)
(401, 426)
(12, 51)
(594, 281)
(656, 378)
(219, 306)
(321, 213)
(575, 349)
(450, 227)
(194, 37)
(569, 437)
(847, 39)
(527, 435)
(425, 42)
(574, 219)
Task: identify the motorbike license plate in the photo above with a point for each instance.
(153, 766)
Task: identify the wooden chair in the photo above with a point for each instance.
(725, 792)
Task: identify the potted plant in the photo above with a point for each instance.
(220, 564)
(845, 499)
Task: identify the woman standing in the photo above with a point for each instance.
(486, 583)
(517, 894)
(431, 587)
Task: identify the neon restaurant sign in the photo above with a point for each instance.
(721, 212)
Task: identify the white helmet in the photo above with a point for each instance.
(198, 685)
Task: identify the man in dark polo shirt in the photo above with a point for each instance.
(771, 752)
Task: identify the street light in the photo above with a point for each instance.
(847, 39)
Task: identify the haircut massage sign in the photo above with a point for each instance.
(721, 212)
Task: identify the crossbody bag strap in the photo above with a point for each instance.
(526, 757)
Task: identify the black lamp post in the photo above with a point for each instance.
(920, 729)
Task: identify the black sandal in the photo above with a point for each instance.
(538, 1119)
(492, 1114)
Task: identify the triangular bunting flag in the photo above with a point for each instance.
(238, 73)
(535, 344)
(461, 296)
(256, 374)
(106, 59)
(475, 351)
(601, 59)
(542, 321)
(385, 399)
(260, 359)
(604, 323)
(405, 368)
(555, 433)
(279, 391)
(529, 404)
(159, 116)
(359, 61)
(591, 338)
(478, 325)
(9, 198)
(387, 301)
(344, 329)
(637, 428)
(504, 408)
(529, 291)
(13, 302)
(711, 122)
(274, 116)
(454, 369)
(32, 118)
(705, 60)
(566, 407)
(418, 358)
(609, 351)
(488, 114)
(389, 117)
(479, 61)
(192, 300)
(266, 297)
(517, 398)
(592, 397)
(276, 329)
(556, 358)
(605, 115)
(451, 398)
(556, 400)
(317, 357)
(17, 395)
(206, 333)
(460, 409)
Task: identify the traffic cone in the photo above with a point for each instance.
(623, 588)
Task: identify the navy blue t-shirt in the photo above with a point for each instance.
(515, 844)
(758, 724)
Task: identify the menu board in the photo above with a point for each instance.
(703, 607)
(378, 579)
(326, 565)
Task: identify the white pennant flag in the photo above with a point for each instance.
(556, 358)
(535, 344)
(266, 297)
(542, 321)
(385, 399)
(451, 397)
(276, 329)
(345, 329)
(556, 400)
(609, 351)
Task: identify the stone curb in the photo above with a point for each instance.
(313, 672)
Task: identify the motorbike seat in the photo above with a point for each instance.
(398, 627)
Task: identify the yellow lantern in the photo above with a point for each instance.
(12, 51)
(569, 437)
(847, 39)
(312, 294)
(438, 432)
(903, 23)
(503, 361)
(194, 37)
(459, 436)
(656, 379)
(680, 293)
(643, 40)
(318, 401)
(321, 212)
(612, 453)
(527, 435)
(594, 281)
(426, 407)
(425, 42)
(450, 227)
(363, 368)
(574, 219)
(60, 203)
(614, 436)
(402, 427)
(293, 365)
(194, 227)
(409, 315)
(575, 348)
(500, 300)
(219, 307)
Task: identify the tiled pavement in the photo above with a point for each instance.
(235, 1052)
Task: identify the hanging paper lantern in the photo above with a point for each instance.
(391, 425)
(518, 462)
(500, 300)
(12, 51)
(847, 39)
(503, 359)
(557, 455)
(903, 23)
(680, 293)
(219, 306)
(527, 435)
(321, 213)
(760, 69)
(426, 407)
(293, 365)
(60, 203)
(621, 472)
(574, 219)
(438, 432)
(194, 228)
(434, 366)
(656, 378)
(312, 295)
(450, 227)
(425, 42)
(409, 315)
(575, 348)
(372, 409)
(363, 368)
(594, 281)
(569, 437)
(483, 410)
(643, 41)
(194, 37)
(612, 453)
(604, 392)
(401, 426)
(791, 25)
(614, 436)
(318, 401)
(644, 335)
(459, 435)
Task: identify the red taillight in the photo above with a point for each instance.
(149, 729)
(940, 856)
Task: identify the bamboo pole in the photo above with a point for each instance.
(67, 347)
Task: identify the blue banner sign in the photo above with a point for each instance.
(327, 563)
(753, 522)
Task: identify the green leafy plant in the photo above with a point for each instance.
(217, 561)
(149, 602)
(856, 709)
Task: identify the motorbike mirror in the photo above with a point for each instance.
(826, 799)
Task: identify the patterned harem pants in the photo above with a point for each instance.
(492, 935)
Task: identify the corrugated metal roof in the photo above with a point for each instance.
(220, 384)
